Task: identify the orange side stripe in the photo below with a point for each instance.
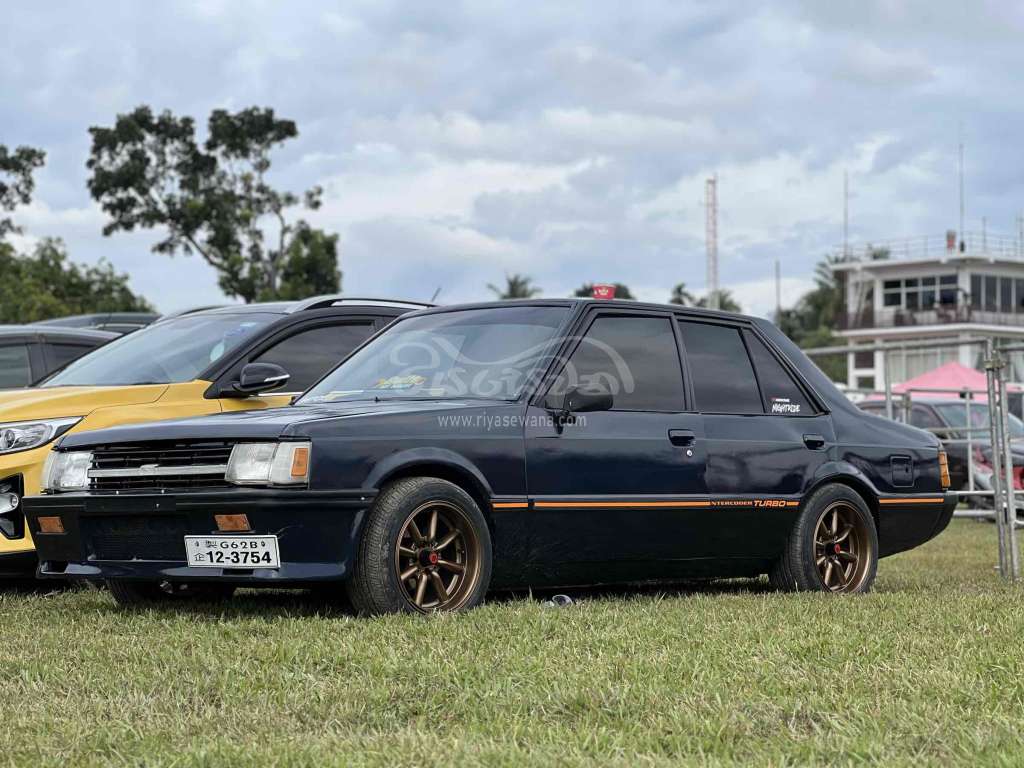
(511, 505)
(911, 501)
(618, 504)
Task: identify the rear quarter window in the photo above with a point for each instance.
(782, 396)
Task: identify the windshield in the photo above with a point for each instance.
(170, 352)
(956, 416)
(473, 353)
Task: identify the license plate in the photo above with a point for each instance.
(232, 551)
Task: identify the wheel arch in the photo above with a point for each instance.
(842, 473)
(439, 463)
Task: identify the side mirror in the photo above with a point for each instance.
(260, 377)
(584, 400)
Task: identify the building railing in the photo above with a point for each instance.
(902, 318)
(933, 247)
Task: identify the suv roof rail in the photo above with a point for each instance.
(189, 311)
(322, 302)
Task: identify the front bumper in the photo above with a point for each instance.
(141, 536)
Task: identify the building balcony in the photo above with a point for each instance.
(942, 315)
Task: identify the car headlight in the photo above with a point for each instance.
(25, 435)
(269, 464)
(67, 471)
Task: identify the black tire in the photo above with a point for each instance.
(376, 587)
(807, 565)
(138, 593)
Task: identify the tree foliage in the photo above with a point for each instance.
(213, 199)
(516, 287)
(810, 323)
(46, 284)
(16, 182)
(726, 301)
(621, 291)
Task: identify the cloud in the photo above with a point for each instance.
(460, 141)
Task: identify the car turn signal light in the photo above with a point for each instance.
(944, 470)
(300, 463)
(51, 525)
(232, 522)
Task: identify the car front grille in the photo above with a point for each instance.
(159, 465)
(124, 537)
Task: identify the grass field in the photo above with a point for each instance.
(926, 670)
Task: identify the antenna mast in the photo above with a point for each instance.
(711, 238)
(961, 164)
(846, 215)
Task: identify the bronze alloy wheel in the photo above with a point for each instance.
(437, 557)
(842, 548)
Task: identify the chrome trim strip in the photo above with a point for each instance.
(155, 470)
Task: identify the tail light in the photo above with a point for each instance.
(944, 469)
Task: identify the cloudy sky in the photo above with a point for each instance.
(460, 141)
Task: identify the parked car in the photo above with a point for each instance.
(946, 417)
(29, 353)
(118, 322)
(512, 444)
(228, 359)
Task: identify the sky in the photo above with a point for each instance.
(458, 142)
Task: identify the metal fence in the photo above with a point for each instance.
(999, 495)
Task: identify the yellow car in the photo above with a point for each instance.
(224, 359)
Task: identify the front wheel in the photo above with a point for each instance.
(137, 593)
(425, 548)
(833, 546)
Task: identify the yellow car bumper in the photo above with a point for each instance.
(17, 552)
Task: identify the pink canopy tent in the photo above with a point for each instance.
(949, 377)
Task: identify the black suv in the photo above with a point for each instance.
(534, 443)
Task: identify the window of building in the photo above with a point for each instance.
(977, 292)
(866, 382)
(991, 293)
(633, 358)
(723, 378)
(920, 293)
(864, 359)
(947, 290)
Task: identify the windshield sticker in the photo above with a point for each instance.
(401, 382)
(783, 405)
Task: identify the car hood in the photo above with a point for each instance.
(61, 402)
(269, 424)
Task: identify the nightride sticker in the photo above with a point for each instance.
(783, 405)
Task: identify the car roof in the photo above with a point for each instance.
(317, 302)
(56, 331)
(617, 303)
(84, 321)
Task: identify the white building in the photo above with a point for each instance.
(930, 289)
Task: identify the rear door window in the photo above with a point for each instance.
(781, 394)
(62, 354)
(717, 360)
(15, 368)
(634, 358)
(309, 354)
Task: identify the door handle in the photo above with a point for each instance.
(814, 442)
(682, 437)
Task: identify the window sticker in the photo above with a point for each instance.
(784, 405)
(401, 382)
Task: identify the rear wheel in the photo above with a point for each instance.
(425, 548)
(134, 593)
(833, 546)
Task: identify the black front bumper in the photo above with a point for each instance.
(141, 536)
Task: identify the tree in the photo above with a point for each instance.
(312, 264)
(811, 321)
(213, 199)
(726, 302)
(47, 284)
(621, 291)
(16, 182)
(682, 296)
(516, 287)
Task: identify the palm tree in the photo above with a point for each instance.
(726, 302)
(682, 296)
(516, 287)
(586, 290)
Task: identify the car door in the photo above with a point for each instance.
(611, 491)
(764, 434)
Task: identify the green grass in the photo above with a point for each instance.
(928, 669)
